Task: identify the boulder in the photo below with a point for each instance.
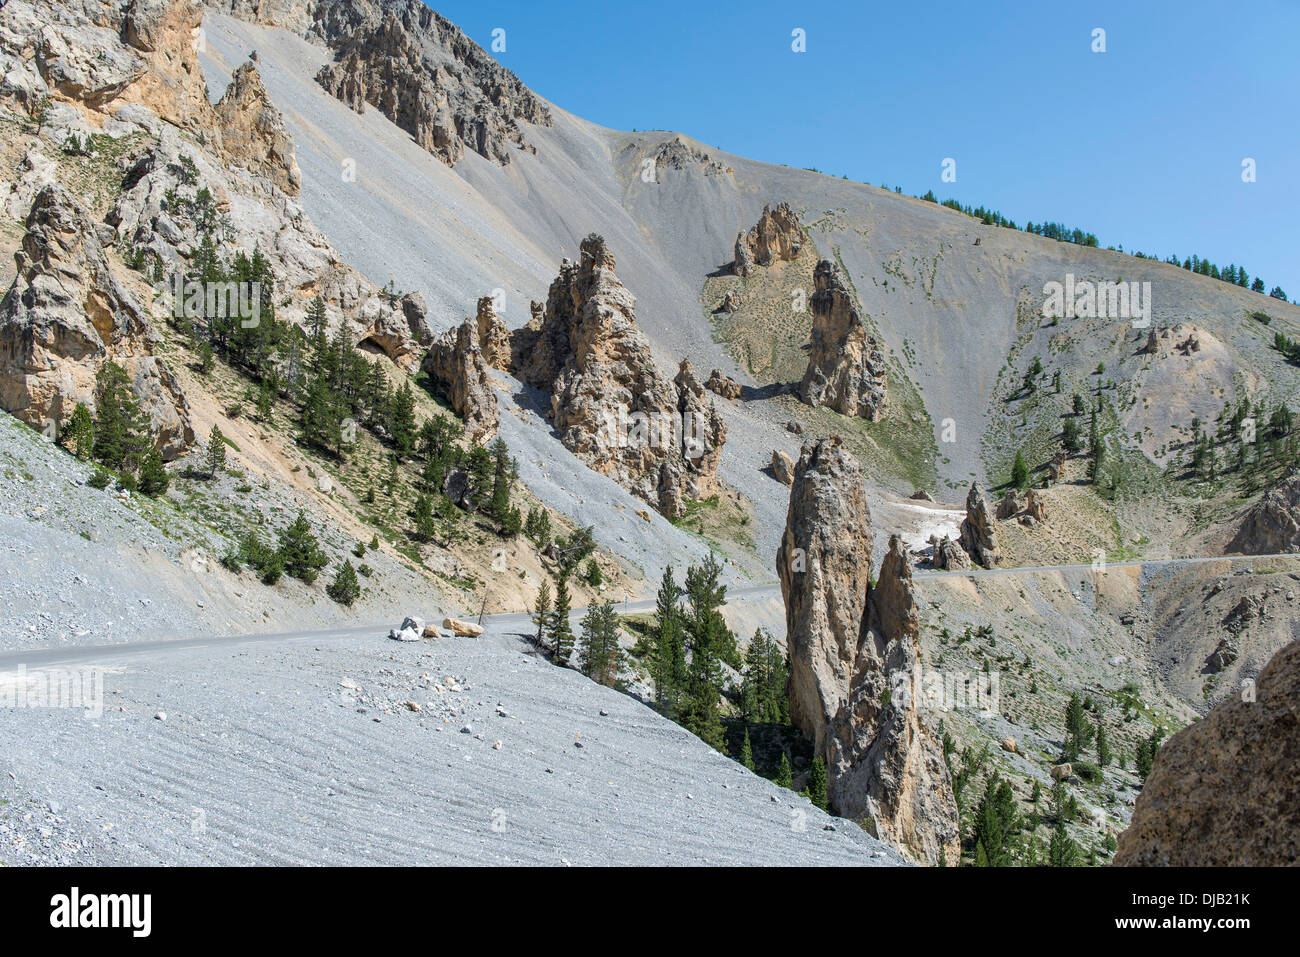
(723, 385)
(1062, 772)
(1225, 791)
(462, 629)
(404, 634)
(782, 467)
(1034, 507)
(1009, 744)
(413, 624)
(948, 555)
(846, 370)
(1008, 506)
(432, 631)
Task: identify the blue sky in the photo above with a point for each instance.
(1142, 145)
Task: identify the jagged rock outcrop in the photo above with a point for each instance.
(174, 191)
(824, 564)
(846, 371)
(493, 335)
(776, 237)
(853, 660)
(65, 315)
(1008, 505)
(947, 555)
(978, 537)
(253, 131)
(1272, 525)
(889, 769)
(610, 403)
(1225, 791)
(172, 85)
(455, 363)
(782, 467)
(1035, 509)
(723, 385)
(419, 70)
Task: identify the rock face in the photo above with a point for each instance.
(253, 131)
(269, 220)
(977, 535)
(455, 363)
(889, 769)
(493, 335)
(853, 658)
(610, 404)
(427, 77)
(777, 237)
(846, 371)
(65, 315)
(1225, 792)
(723, 385)
(1272, 525)
(824, 564)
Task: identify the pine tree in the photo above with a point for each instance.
(345, 589)
(996, 823)
(299, 551)
(118, 429)
(215, 458)
(711, 644)
(426, 526)
(817, 783)
(561, 630)
(747, 752)
(79, 437)
(542, 609)
(153, 477)
(668, 654)
(1103, 746)
(1020, 472)
(784, 776)
(1078, 732)
(599, 652)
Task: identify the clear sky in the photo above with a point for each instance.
(1142, 144)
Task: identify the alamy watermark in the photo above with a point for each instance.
(53, 688)
(626, 429)
(194, 299)
(1084, 299)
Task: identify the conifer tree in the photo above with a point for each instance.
(561, 630)
(542, 609)
(747, 752)
(599, 653)
(299, 551)
(817, 783)
(79, 437)
(1020, 472)
(668, 654)
(153, 477)
(345, 589)
(784, 776)
(215, 458)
